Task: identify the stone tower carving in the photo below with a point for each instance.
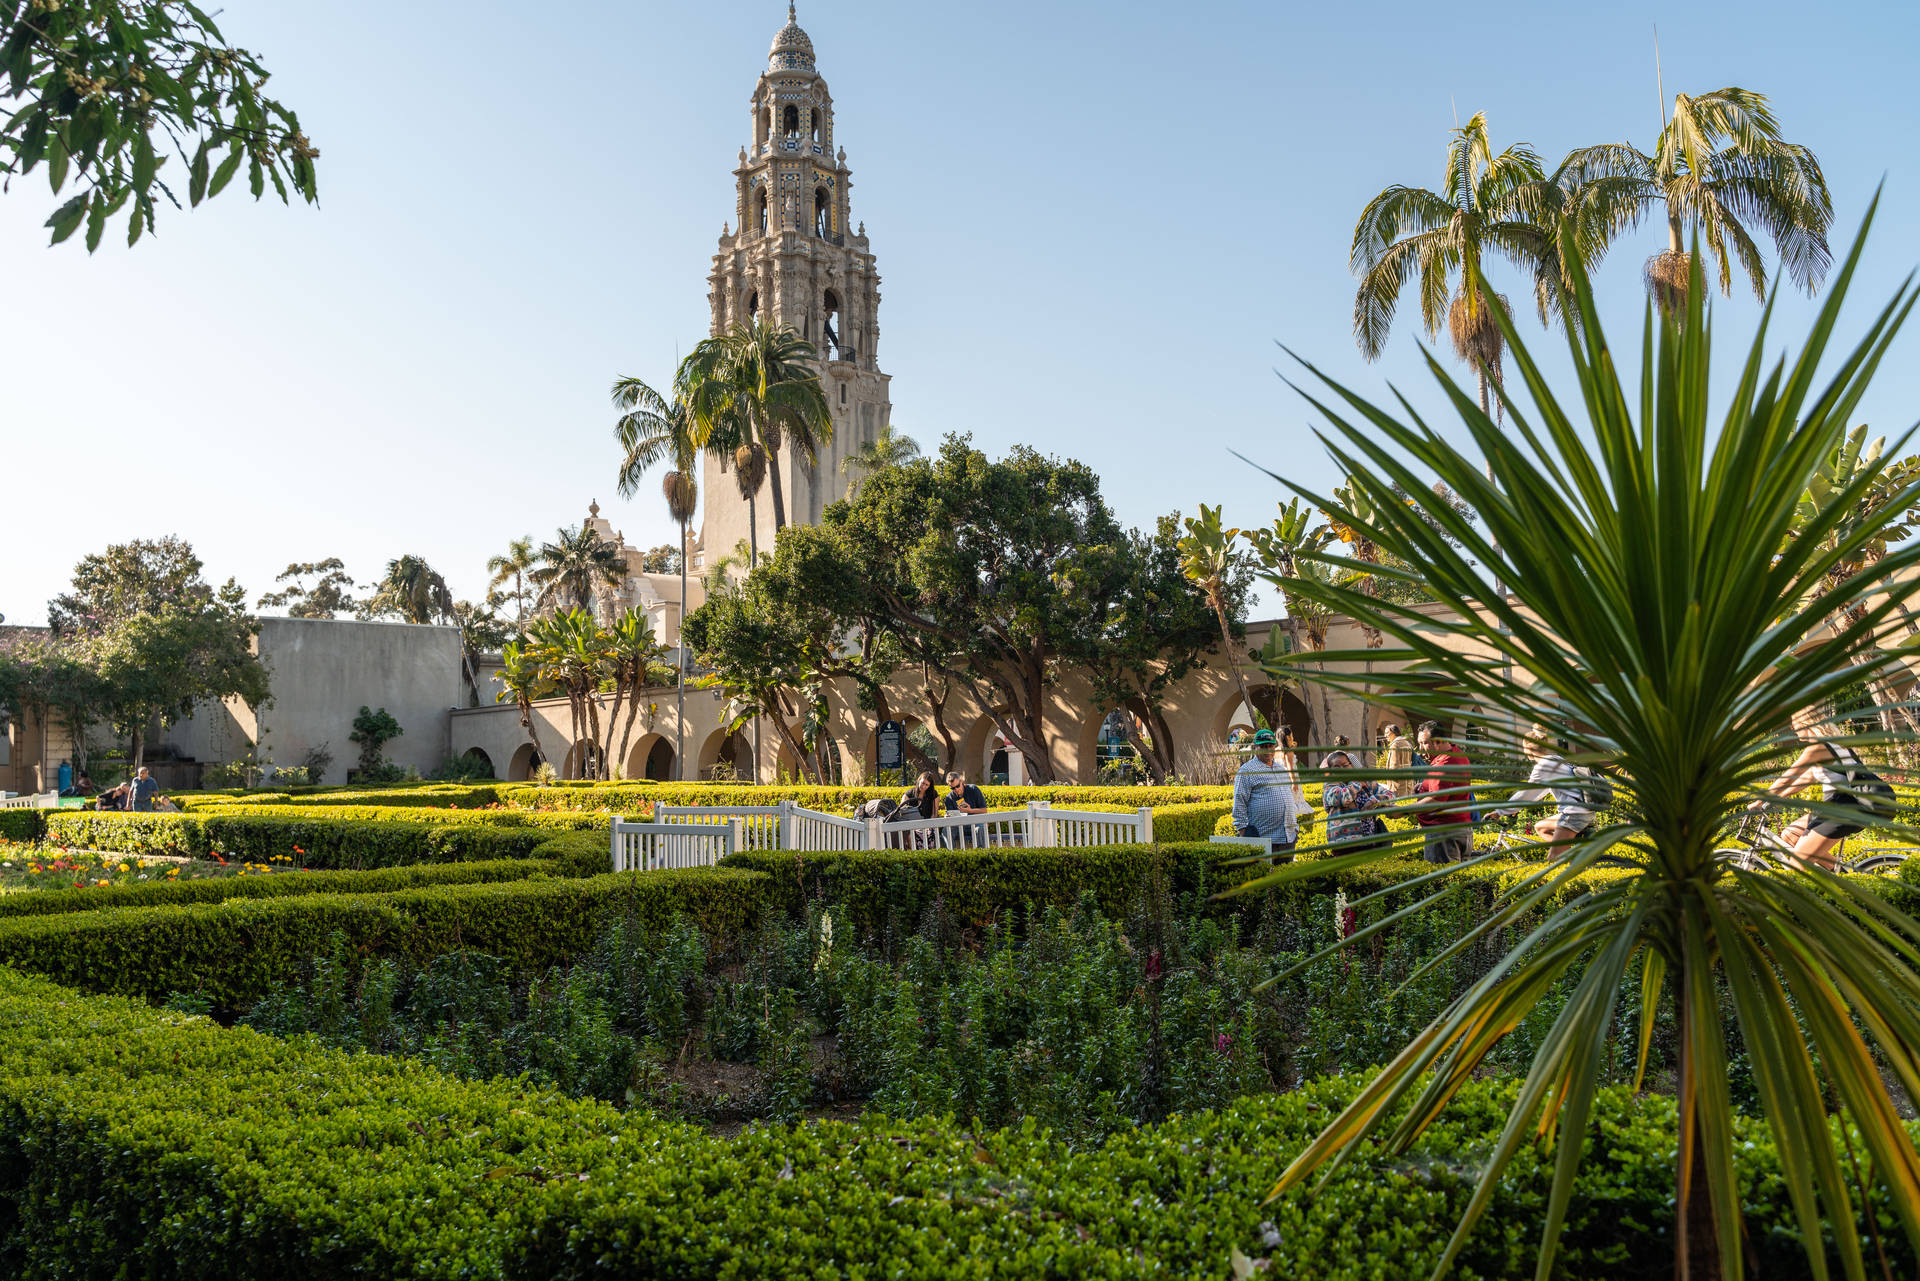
(795, 260)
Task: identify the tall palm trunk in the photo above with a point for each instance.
(779, 494)
(680, 663)
(753, 562)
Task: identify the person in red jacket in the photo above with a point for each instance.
(1449, 831)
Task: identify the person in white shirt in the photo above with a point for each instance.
(1554, 778)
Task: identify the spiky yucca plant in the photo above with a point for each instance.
(1660, 616)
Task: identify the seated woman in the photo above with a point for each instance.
(1353, 805)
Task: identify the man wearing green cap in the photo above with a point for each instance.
(1263, 796)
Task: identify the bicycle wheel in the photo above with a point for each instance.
(1878, 864)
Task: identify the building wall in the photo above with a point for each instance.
(1198, 716)
(321, 672)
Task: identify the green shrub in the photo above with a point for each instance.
(625, 797)
(1193, 821)
(23, 825)
(163, 893)
(143, 1142)
(232, 951)
(313, 843)
(489, 817)
(892, 888)
(458, 795)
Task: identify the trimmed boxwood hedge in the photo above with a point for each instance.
(486, 817)
(141, 1142)
(22, 825)
(312, 843)
(233, 950)
(624, 796)
(163, 893)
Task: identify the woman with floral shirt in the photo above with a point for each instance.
(1353, 805)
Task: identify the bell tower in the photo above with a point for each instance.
(794, 257)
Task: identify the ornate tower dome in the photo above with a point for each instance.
(794, 256)
(792, 49)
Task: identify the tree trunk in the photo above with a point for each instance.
(680, 665)
(802, 761)
(753, 563)
(613, 721)
(1696, 1237)
(779, 494)
(938, 708)
(1157, 766)
(593, 730)
(139, 746)
(1233, 661)
(633, 714)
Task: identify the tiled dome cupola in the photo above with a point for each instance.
(792, 50)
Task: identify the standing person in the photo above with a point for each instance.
(1353, 806)
(1400, 758)
(141, 792)
(1845, 783)
(1554, 777)
(964, 798)
(1263, 796)
(1449, 831)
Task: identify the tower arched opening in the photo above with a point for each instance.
(822, 213)
(790, 119)
(760, 211)
(830, 326)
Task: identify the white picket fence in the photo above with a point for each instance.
(659, 847)
(783, 826)
(789, 826)
(42, 801)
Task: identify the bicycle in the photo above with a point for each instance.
(1521, 844)
(1760, 849)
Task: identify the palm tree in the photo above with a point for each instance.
(523, 679)
(1667, 627)
(1718, 166)
(757, 388)
(572, 568)
(1890, 506)
(654, 429)
(412, 589)
(1207, 559)
(570, 648)
(632, 658)
(1500, 205)
(515, 565)
(888, 449)
(416, 592)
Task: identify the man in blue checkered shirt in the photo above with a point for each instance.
(1263, 796)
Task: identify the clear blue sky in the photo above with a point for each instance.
(1094, 221)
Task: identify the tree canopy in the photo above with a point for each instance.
(106, 93)
(994, 577)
